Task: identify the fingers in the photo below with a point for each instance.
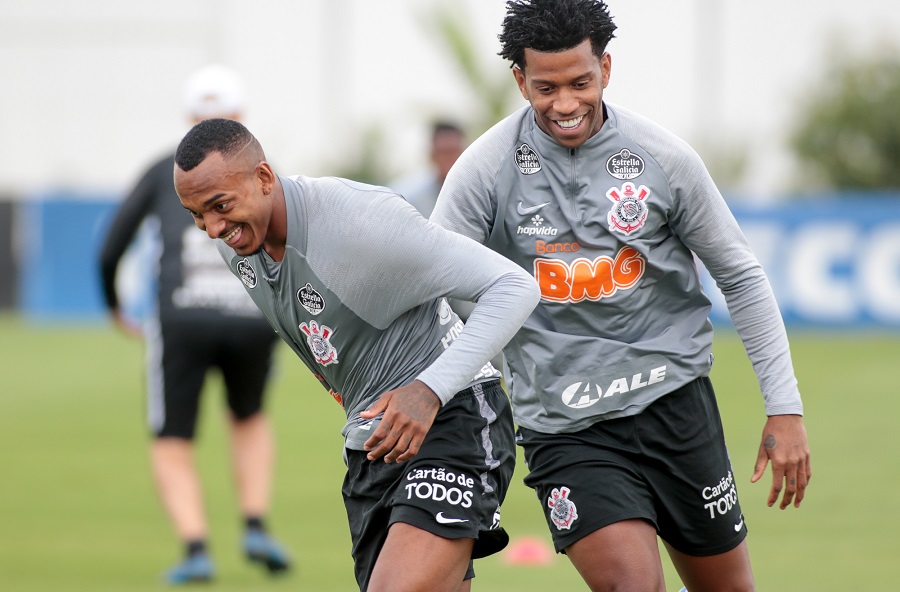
(377, 407)
(395, 445)
(762, 459)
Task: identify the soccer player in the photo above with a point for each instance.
(610, 373)
(354, 280)
(201, 320)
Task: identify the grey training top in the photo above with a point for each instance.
(359, 295)
(609, 231)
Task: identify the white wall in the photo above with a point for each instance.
(90, 90)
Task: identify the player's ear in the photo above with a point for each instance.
(520, 80)
(606, 67)
(266, 177)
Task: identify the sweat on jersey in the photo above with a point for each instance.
(609, 230)
(359, 295)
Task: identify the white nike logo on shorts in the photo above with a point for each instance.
(737, 527)
(444, 520)
(523, 211)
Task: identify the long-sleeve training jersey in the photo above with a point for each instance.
(359, 295)
(608, 231)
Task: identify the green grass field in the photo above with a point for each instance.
(78, 510)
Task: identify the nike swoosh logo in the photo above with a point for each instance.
(444, 520)
(737, 527)
(523, 211)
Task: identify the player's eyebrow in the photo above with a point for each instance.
(213, 198)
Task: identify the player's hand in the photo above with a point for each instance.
(784, 443)
(126, 325)
(409, 412)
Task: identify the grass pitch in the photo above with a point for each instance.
(78, 511)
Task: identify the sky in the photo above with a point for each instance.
(93, 89)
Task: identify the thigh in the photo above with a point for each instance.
(623, 556)
(244, 356)
(413, 559)
(725, 571)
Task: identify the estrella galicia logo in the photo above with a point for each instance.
(311, 300)
(527, 160)
(625, 165)
(246, 273)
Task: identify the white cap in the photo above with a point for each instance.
(214, 91)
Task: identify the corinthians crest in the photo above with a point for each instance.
(629, 212)
(562, 510)
(317, 337)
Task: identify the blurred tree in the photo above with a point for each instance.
(494, 89)
(847, 134)
(366, 162)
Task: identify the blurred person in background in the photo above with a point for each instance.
(201, 319)
(421, 188)
(354, 280)
(609, 376)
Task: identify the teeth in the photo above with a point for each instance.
(570, 123)
(231, 234)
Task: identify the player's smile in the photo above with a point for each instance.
(236, 232)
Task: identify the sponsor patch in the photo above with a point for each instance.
(721, 498)
(246, 273)
(527, 160)
(542, 248)
(584, 394)
(629, 210)
(585, 279)
(441, 485)
(562, 510)
(318, 339)
(310, 299)
(537, 228)
(625, 165)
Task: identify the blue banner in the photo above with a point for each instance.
(832, 264)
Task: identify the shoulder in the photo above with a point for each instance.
(667, 149)
(485, 157)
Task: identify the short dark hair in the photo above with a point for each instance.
(225, 136)
(442, 126)
(553, 25)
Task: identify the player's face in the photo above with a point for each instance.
(565, 88)
(230, 199)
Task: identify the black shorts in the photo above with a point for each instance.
(667, 465)
(452, 488)
(179, 356)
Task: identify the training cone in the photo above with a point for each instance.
(528, 551)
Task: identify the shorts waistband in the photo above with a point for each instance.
(479, 387)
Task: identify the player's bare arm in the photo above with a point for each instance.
(409, 412)
(784, 443)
